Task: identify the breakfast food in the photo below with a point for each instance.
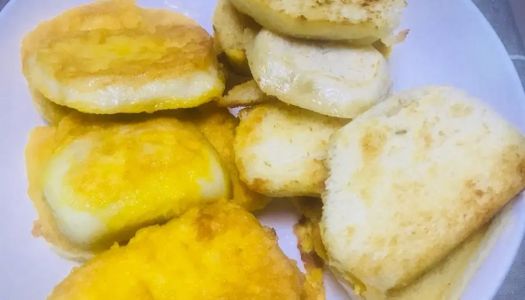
(218, 126)
(159, 202)
(216, 252)
(114, 57)
(411, 179)
(329, 78)
(243, 94)
(445, 280)
(229, 26)
(94, 183)
(280, 149)
(307, 229)
(357, 21)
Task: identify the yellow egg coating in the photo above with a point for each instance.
(112, 57)
(214, 252)
(102, 180)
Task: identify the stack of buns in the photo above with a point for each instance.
(406, 179)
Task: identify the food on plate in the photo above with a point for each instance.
(446, 280)
(160, 203)
(357, 21)
(243, 94)
(307, 229)
(410, 180)
(96, 182)
(229, 26)
(218, 126)
(215, 123)
(310, 246)
(114, 57)
(214, 252)
(333, 79)
(280, 149)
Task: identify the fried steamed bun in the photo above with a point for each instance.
(94, 183)
(280, 149)
(217, 124)
(362, 21)
(411, 179)
(114, 57)
(218, 251)
(329, 78)
(446, 280)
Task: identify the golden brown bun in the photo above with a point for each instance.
(87, 180)
(37, 154)
(217, 251)
(411, 179)
(280, 149)
(112, 57)
(356, 21)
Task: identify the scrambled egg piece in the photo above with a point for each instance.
(214, 252)
(113, 57)
(218, 126)
(96, 182)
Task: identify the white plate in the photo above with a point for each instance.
(450, 43)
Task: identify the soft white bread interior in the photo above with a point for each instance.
(411, 179)
(280, 149)
(333, 79)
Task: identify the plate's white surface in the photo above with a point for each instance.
(450, 43)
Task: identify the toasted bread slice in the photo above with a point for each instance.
(329, 78)
(229, 26)
(411, 179)
(244, 94)
(114, 57)
(96, 182)
(356, 21)
(218, 251)
(280, 149)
